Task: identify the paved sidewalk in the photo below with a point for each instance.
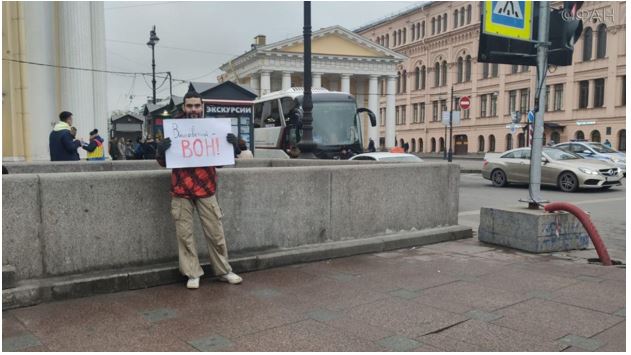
(455, 296)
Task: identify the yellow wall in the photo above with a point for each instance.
(334, 45)
(14, 113)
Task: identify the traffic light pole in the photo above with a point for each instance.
(534, 188)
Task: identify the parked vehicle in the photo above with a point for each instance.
(388, 157)
(336, 122)
(566, 170)
(595, 150)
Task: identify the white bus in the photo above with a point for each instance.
(277, 119)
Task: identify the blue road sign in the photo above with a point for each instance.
(531, 116)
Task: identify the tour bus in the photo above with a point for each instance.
(277, 119)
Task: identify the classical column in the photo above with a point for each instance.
(286, 80)
(346, 83)
(75, 50)
(254, 83)
(265, 82)
(390, 127)
(99, 87)
(373, 105)
(316, 82)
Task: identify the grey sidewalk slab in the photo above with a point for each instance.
(452, 297)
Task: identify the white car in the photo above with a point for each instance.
(388, 157)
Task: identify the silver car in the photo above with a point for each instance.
(388, 157)
(566, 170)
(595, 150)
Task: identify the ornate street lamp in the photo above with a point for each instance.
(153, 40)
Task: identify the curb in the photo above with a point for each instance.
(35, 291)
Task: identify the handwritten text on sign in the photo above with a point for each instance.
(198, 142)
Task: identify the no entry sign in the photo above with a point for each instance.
(465, 103)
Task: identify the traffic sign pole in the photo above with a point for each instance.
(451, 130)
(534, 187)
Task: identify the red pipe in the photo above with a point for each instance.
(587, 224)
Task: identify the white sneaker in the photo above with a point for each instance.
(193, 283)
(231, 278)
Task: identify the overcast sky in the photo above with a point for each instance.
(198, 37)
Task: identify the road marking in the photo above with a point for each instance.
(604, 200)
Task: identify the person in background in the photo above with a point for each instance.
(371, 146)
(61, 143)
(245, 152)
(121, 148)
(607, 143)
(95, 147)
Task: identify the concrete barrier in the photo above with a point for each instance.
(73, 224)
(131, 165)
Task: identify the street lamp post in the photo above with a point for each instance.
(153, 40)
(306, 144)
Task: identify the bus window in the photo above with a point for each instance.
(287, 103)
(258, 115)
(271, 114)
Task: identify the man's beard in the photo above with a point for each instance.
(192, 115)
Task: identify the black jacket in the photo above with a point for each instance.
(62, 145)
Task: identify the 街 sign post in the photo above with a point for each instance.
(198, 142)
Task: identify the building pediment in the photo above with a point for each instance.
(334, 41)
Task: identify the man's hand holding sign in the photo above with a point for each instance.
(198, 142)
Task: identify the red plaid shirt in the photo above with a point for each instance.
(192, 182)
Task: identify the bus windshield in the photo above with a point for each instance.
(335, 123)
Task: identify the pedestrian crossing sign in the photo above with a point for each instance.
(511, 19)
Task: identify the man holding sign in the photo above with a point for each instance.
(194, 187)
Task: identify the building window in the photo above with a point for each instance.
(467, 69)
(493, 105)
(624, 90)
(587, 44)
(388, 40)
(523, 100)
(595, 136)
(456, 18)
(423, 29)
(462, 16)
(422, 112)
(524, 68)
(405, 35)
(423, 77)
(512, 101)
(485, 70)
(436, 74)
(583, 94)
(558, 97)
(434, 111)
(417, 77)
(413, 32)
(439, 23)
(495, 69)
(491, 143)
(580, 135)
(444, 73)
(622, 140)
(398, 82)
(415, 113)
(601, 49)
(547, 98)
(433, 142)
(514, 68)
(599, 92)
(483, 106)
(509, 141)
(403, 114)
(468, 14)
(418, 30)
(420, 145)
(481, 144)
(460, 68)
(404, 81)
(396, 115)
(445, 23)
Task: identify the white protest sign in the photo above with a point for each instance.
(198, 142)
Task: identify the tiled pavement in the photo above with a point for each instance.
(455, 296)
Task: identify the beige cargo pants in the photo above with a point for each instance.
(210, 216)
